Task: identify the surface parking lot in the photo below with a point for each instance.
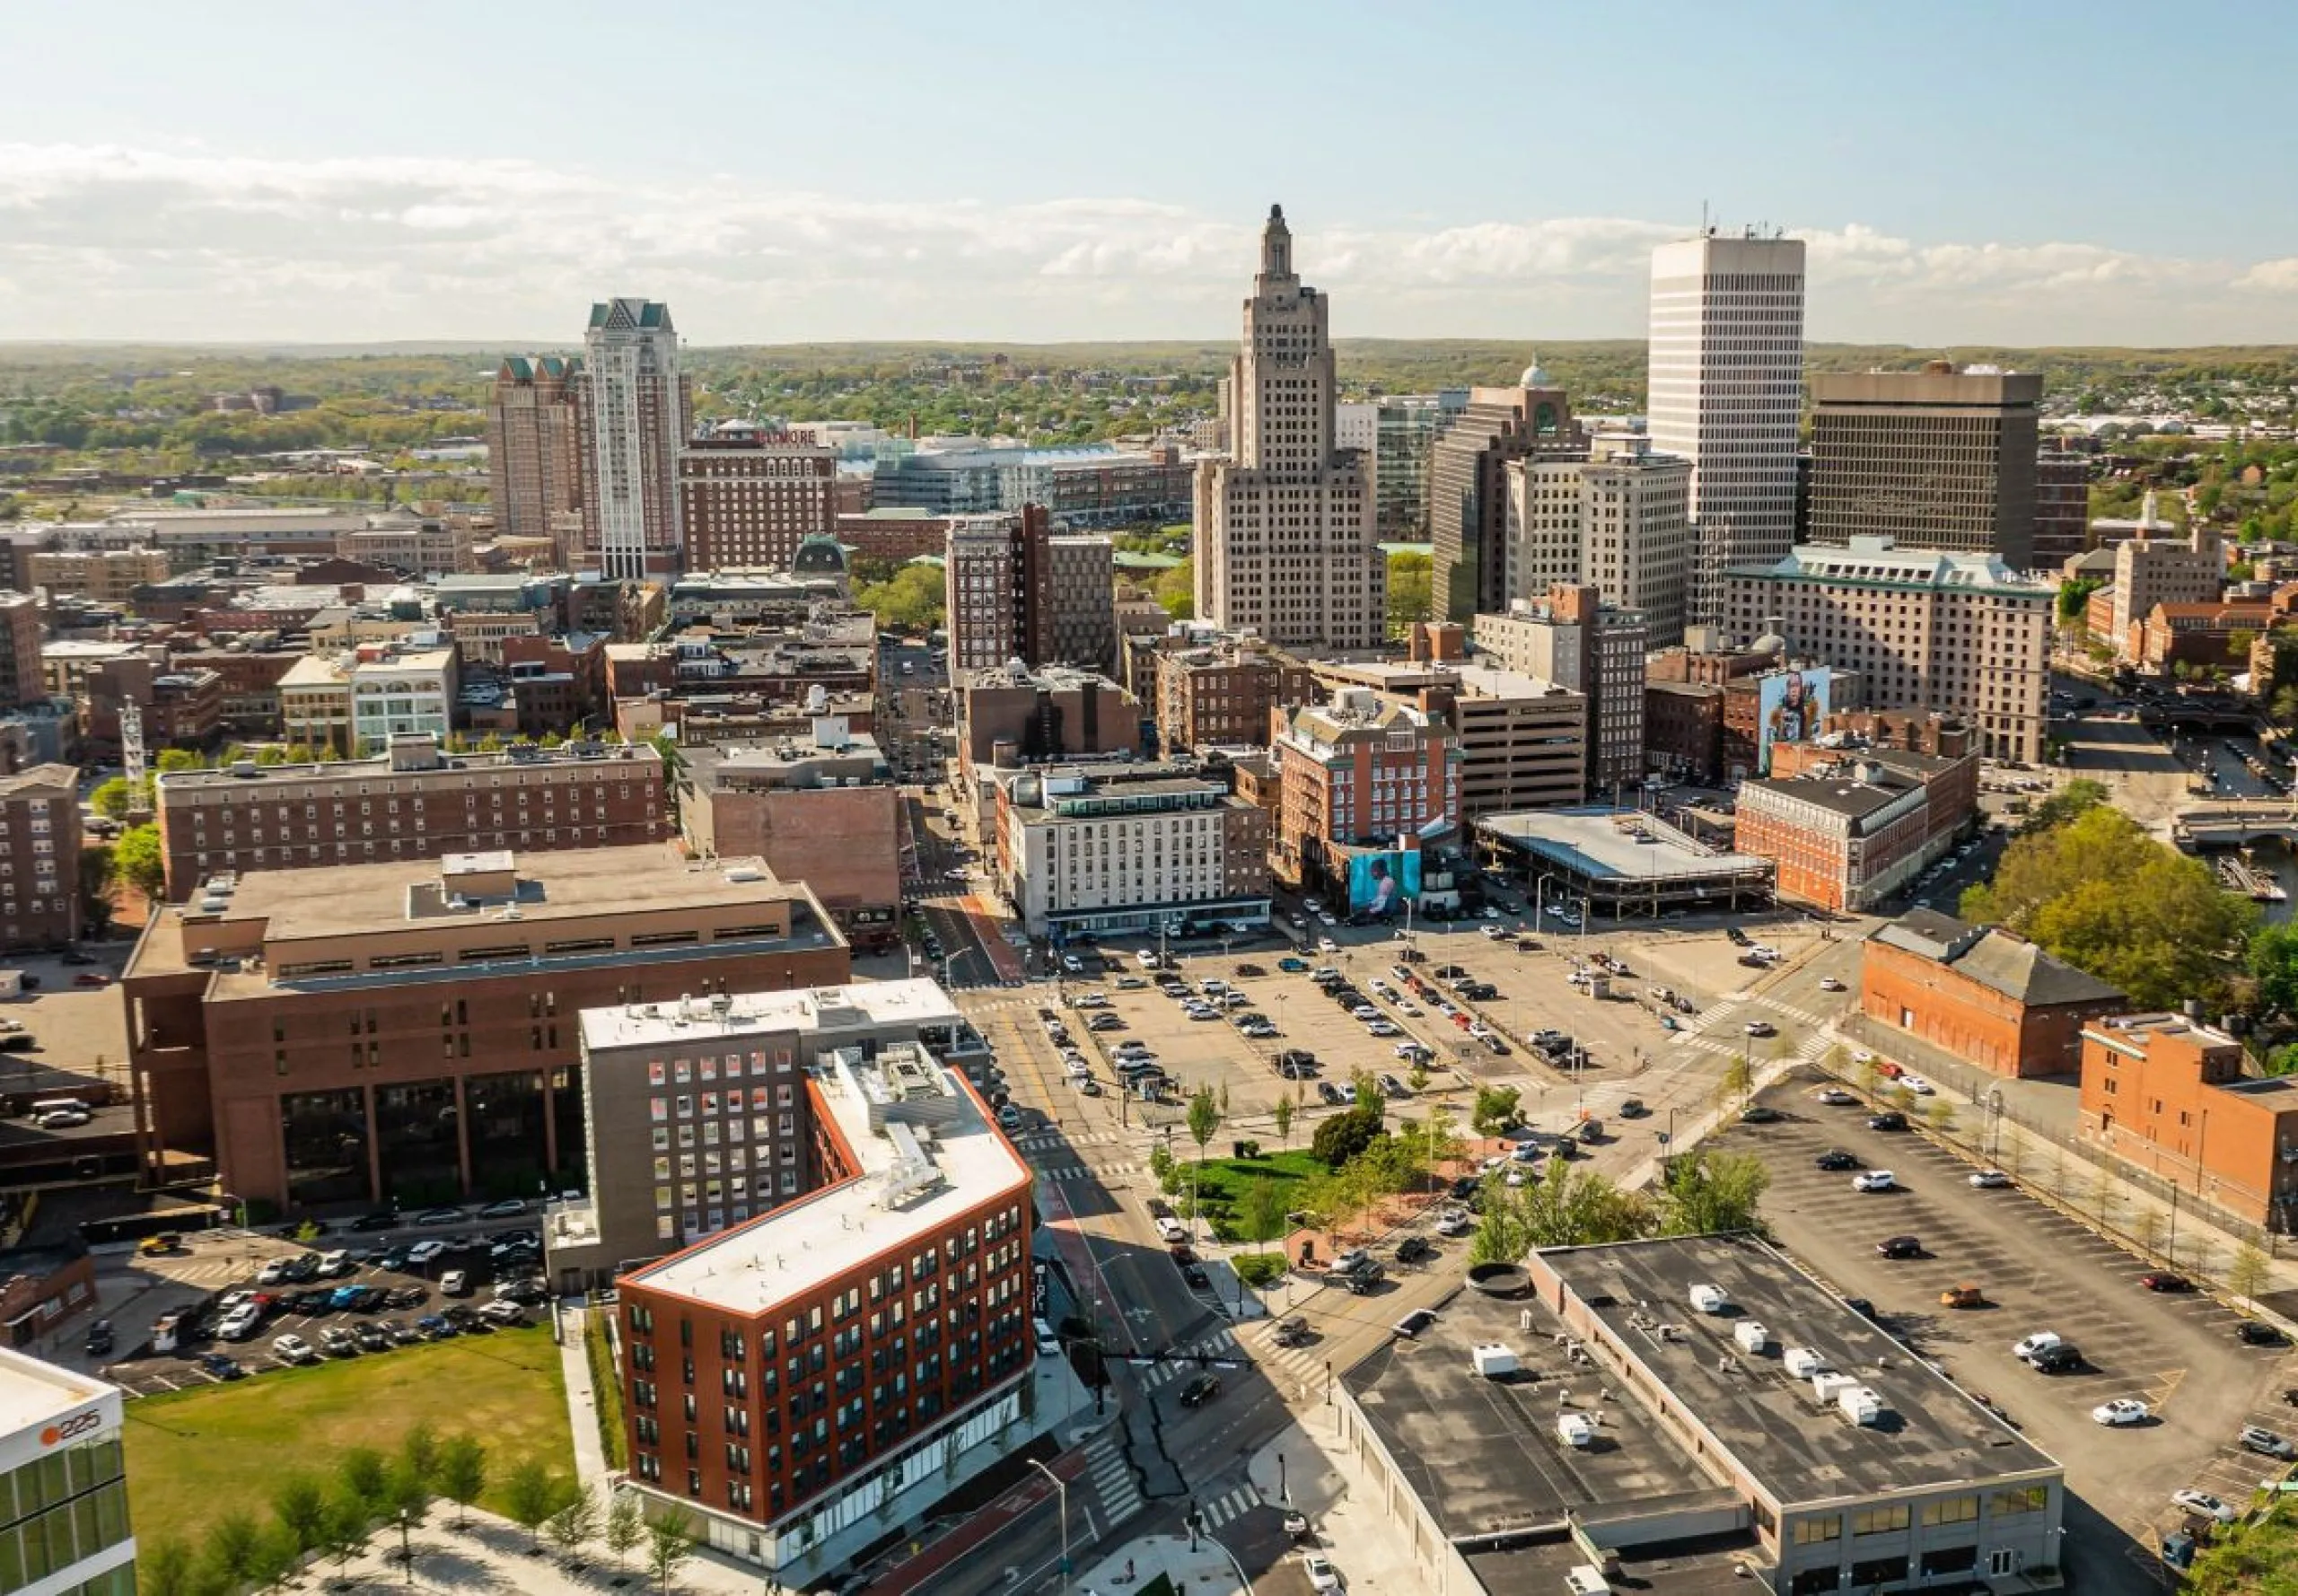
(2040, 1270)
(424, 1310)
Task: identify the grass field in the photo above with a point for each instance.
(1221, 1186)
(192, 1454)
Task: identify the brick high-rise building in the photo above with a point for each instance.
(1612, 515)
(22, 679)
(1727, 395)
(414, 802)
(1219, 694)
(1468, 486)
(995, 582)
(1080, 595)
(1358, 773)
(638, 412)
(409, 1030)
(39, 848)
(1572, 638)
(749, 496)
(1935, 459)
(534, 458)
(2062, 507)
(1284, 520)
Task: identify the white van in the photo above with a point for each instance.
(60, 1105)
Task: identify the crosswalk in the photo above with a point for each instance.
(1113, 1479)
(1078, 1171)
(1297, 1367)
(1227, 1509)
(1180, 1361)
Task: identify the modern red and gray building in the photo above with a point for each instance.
(847, 1358)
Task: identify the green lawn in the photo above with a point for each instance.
(192, 1454)
(1222, 1185)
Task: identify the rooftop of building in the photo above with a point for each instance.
(924, 1154)
(53, 780)
(415, 754)
(1854, 789)
(1706, 1565)
(1622, 845)
(32, 1392)
(1876, 561)
(1994, 958)
(1039, 794)
(2133, 1034)
(1051, 678)
(1486, 681)
(266, 912)
(1481, 1454)
(833, 753)
(1931, 1434)
(703, 1022)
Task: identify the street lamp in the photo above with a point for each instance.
(1061, 1485)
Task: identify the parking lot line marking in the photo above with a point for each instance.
(2170, 1380)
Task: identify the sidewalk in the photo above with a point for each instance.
(1209, 1570)
(581, 1401)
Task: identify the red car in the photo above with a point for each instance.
(1889, 1069)
(92, 977)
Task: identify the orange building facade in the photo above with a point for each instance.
(2167, 1095)
(1983, 994)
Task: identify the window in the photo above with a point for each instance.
(2025, 1499)
(1951, 1510)
(1879, 1520)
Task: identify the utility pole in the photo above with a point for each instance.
(1062, 1486)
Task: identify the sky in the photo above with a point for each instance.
(2029, 173)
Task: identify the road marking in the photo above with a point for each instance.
(2169, 1381)
(1226, 1508)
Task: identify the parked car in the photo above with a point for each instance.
(2163, 1280)
(1836, 1158)
(2120, 1411)
(294, 1349)
(1890, 1120)
(1874, 1180)
(1988, 1180)
(1200, 1390)
(1899, 1247)
(2206, 1505)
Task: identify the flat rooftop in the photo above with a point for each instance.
(1931, 1434)
(875, 1004)
(32, 1392)
(926, 1153)
(1483, 1455)
(1600, 842)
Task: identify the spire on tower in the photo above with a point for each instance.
(1276, 245)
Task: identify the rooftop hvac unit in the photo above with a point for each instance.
(1710, 1299)
(1752, 1337)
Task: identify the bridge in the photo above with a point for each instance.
(2199, 714)
(2236, 823)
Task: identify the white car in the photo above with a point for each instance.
(334, 1263)
(1835, 1097)
(1383, 1028)
(1874, 1180)
(1072, 964)
(272, 1272)
(1761, 951)
(1170, 1231)
(2206, 1505)
(1830, 984)
(1988, 1180)
(1321, 1574)
(1919, 1086)
(2027, 1346)
(294, 1349)
(424, 1252)
(240, 1324)
(1405, 1006)
(2122, 1410)
(1455, 1221)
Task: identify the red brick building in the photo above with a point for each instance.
(748, 498)
(1981, 993)
(853, 1354)
(2167, 1095)
(39, 858)
(1359, 772)
(1849, 828)
(894, 536)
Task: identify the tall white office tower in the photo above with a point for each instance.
(1284, 519)
(1726, 393)
(636, 411)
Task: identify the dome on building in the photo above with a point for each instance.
(818, 556)
(1769, 643)
(1535, 376)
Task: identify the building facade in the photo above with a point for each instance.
(1850, 833)
(1727, 394)
(1572, 638)
(2062, 507)
(22, 679)
(1923, 629)
(408, 1031)
(1284, 535)
(39, 858)
(1611, 516)
(1987, 997)
(1129, 848)
(103, 575)
(1935, 459)
(637, 412)
(748, 497)
(412, 801)
(1523, 740)
(1359, 772)
(1080, 597)
(63, 1526)
(2168, 570)
(850, 1347)
(534, 454)
(995, 580)
(1219, 694)
(1468, 484)
(2167, 1095)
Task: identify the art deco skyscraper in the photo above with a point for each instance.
(1727, 394)
(1285, 520)
(636, 413)
(532, 455)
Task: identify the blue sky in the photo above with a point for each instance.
(1966, 172)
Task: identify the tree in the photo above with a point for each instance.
(1494, 1110)
(2100, 894)
(172, 759)
(572, 1526)
(407, 1497)
(462, 1473)
(911, 601)
(1283, 1114)
(362, 1476)
(531, 1495)
(418, 1455)
(348, 1523)
(2072, 802)
(138, 864)
(233, 1549)
(112, 798)
(1417, 1076)
(1738, 1080)
(1176, 589)
(669, 1542)
(165, 1568)
(626, 1526)
(1940, 1114)
(2249, 1271)
(299, 1504)
(96, 872)
(1260, 1211)
(1204, 1118)
(1434, 1142)
(1343, 1136)
(1707, 1192)
(2272, 959)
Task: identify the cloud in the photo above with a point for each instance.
(109, 242)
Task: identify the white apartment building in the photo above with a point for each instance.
(1923, 628)
(356, 700)
(64, 1529)
(1129, 850)
(1285, 543)
(636, 411)
(1614, 518)
(1726, 393)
